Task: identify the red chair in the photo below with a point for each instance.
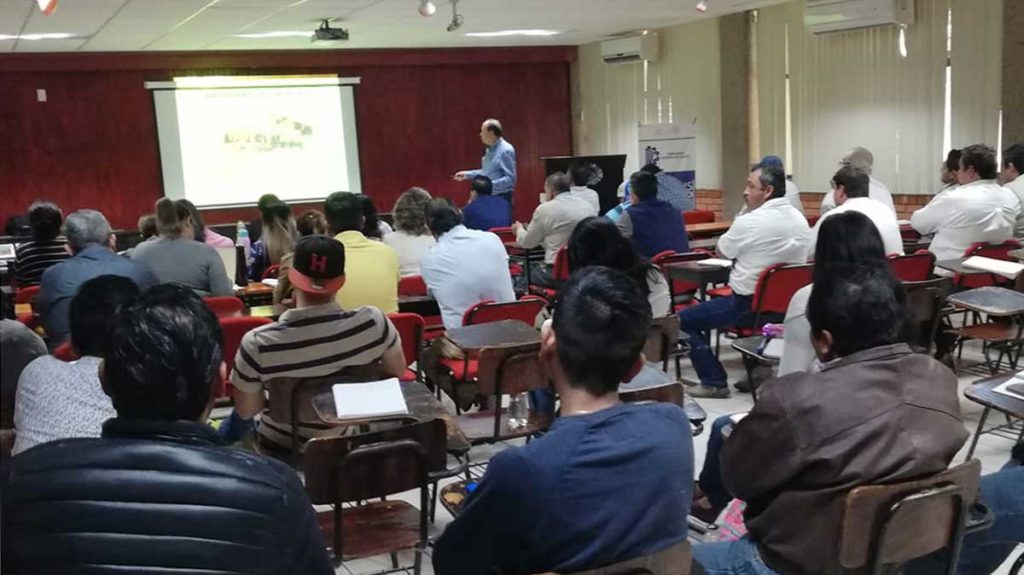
(504, 234)
(272, 272)
(559, 273)
(412, 286)
(225, 306)
(994, 251)
(27, 295)
(775, 287)
(698, 217)
(66, 352)
(410, 328)
(683, 290)
(233, 329)
(916, 267)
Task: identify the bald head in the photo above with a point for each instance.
(490, 131)
(861, 159)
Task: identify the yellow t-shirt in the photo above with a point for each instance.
(371, 273)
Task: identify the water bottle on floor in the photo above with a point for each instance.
(518, 411)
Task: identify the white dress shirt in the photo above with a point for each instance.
(982, 211)
(586, 194)
(876, 191)
(465, 267)
(552, 224)
(797, 349)
(1017, 187)
(410, 250)
(792, 194)
(879, 214)
(771, 234)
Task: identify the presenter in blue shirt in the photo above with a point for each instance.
(499, 161)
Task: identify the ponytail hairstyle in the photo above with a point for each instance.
(279, 233)
(168, 219)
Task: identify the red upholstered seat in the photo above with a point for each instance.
(698, 217)
(775, 287)
(65, 352)
(985, 249)
(26, 294)
(410, 328)
(233, 329)
(226, 306)
(917, 267)
(724, 291)
(462, 370)
(525, 310)
(272, 272)
(412, 286)
(559, 273)
(505, 234)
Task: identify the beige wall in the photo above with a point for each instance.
(1013, 72)
(683, 86)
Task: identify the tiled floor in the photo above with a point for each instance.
(992, 451)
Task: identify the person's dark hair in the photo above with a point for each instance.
(442, 215)
(651, 169)
(775, 177)
(581, 172)
(600, 326)
(596, 241)
(170, 216)
(311, 222)
(45, 219)
(644, 185)
(1014, 155)
(7, 307)
(846, 239)
(198, 226)
(982, 158)
(862, 307)
(409, 210)
(147, 226)
(344, 212)
(164, 356)
(94, 312)
(266, 199)
(953, 160)
(855, 182)
(482, 185)
(558, 182)
(371, 219)
(18, 226)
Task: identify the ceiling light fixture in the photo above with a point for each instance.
(275, 34)
(501, 33)
(46, 36)
(457, 19)
(903, 41)
(702, 6)
(427, 8)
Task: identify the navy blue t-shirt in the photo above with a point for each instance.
(598, 489)
(486, 212)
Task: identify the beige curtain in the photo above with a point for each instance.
(976, 57)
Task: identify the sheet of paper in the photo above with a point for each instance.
(370, 399)
(716, 262)
(272, 282)
(1003, 388)
(1001, 267)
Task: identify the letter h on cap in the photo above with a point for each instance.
(317, 263)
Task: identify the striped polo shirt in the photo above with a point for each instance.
(32, 258)
(310, 342)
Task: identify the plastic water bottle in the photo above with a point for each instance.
(242, 238)
(518, 411)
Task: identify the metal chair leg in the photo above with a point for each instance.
(977, 433)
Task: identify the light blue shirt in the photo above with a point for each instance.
(499, 164)
(465, 267)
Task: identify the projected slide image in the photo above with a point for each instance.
(279, 133)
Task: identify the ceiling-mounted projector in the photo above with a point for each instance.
(326, 33)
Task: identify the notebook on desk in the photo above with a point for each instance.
(715, 262)
(369, 400)
(1004, 268)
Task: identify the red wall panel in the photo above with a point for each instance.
(94, 144)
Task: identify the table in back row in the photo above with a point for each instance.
(701, 274)
(709, 229)
(983, 393)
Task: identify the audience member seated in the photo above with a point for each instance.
(277, 239)
(948, 170)
(57, 399)
(18, 347)
(670, 189)
(411, 239)
(792, 190)
(255, 226)
(774, 232)
(203, 233)
(597, 242)
(147, 227)
(653, 224)
(609, 481)
(158, 492)
(92, 244)
(984, 551)
(175, 256)
(551, 225)
(373, 227)
(371, 267)
(877, 413)
(310, 222)
(1012, 177)
(582, 175)
(978, 210)
(845, 240)
(465, 267)
(45, 249)
(850, 186)
(316, 339)
(864, 160)
(485, 210)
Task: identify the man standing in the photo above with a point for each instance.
(863, 159)
(499, 161)
(850, 186)
(1011, 179)
(774, 232)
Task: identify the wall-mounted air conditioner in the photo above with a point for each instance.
(824, 16)
(630, 49)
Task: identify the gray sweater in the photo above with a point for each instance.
(185, 262)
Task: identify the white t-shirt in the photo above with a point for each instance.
(588, 195)
(876, 191)
(981, 211)
(879, 214)
(410, 250)
(1017, 187)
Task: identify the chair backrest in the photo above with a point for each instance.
(674, 560)
(272, 271)
(510, 369)
(678, 287)
(668, 392)
(412, 286)
(26, 294)
(371, 465)
(925, 300)
(560, 269)
(917, 267)
(505, 234)
(410, 328)
(892, 524)
(291, 398)
(776, 286)
(65, 352)
(233, 328)
(225, 306)
(698, 217)
(661, 337)
(984, 249)
(525, 310)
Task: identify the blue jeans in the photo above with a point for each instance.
(731, 558)
(983, 552)
(699, 320)
(711, 474)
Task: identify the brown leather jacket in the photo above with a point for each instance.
(881, 415)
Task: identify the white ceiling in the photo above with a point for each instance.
(135, 25)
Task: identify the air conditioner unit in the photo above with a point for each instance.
(630, 49)
(824, 16)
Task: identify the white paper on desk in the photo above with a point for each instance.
(1003, 388)
(715, 262)
(1004, 268)
(903, 222)
(774, 348)
(272, 282)
(368, 400)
